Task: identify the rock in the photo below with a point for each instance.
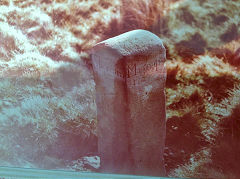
(87, 163)
(130, 77)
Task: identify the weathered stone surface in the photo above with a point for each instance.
(130, 77)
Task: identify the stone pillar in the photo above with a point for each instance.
(130, 77)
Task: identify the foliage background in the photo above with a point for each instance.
(47, 93)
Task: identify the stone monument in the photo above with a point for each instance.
(130, 76)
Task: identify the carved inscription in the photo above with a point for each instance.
(104, 68)
(133, 69)
(136, 69)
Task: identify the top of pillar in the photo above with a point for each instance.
(136, 42)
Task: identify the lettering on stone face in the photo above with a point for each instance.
(107, 69)
(132, 70)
